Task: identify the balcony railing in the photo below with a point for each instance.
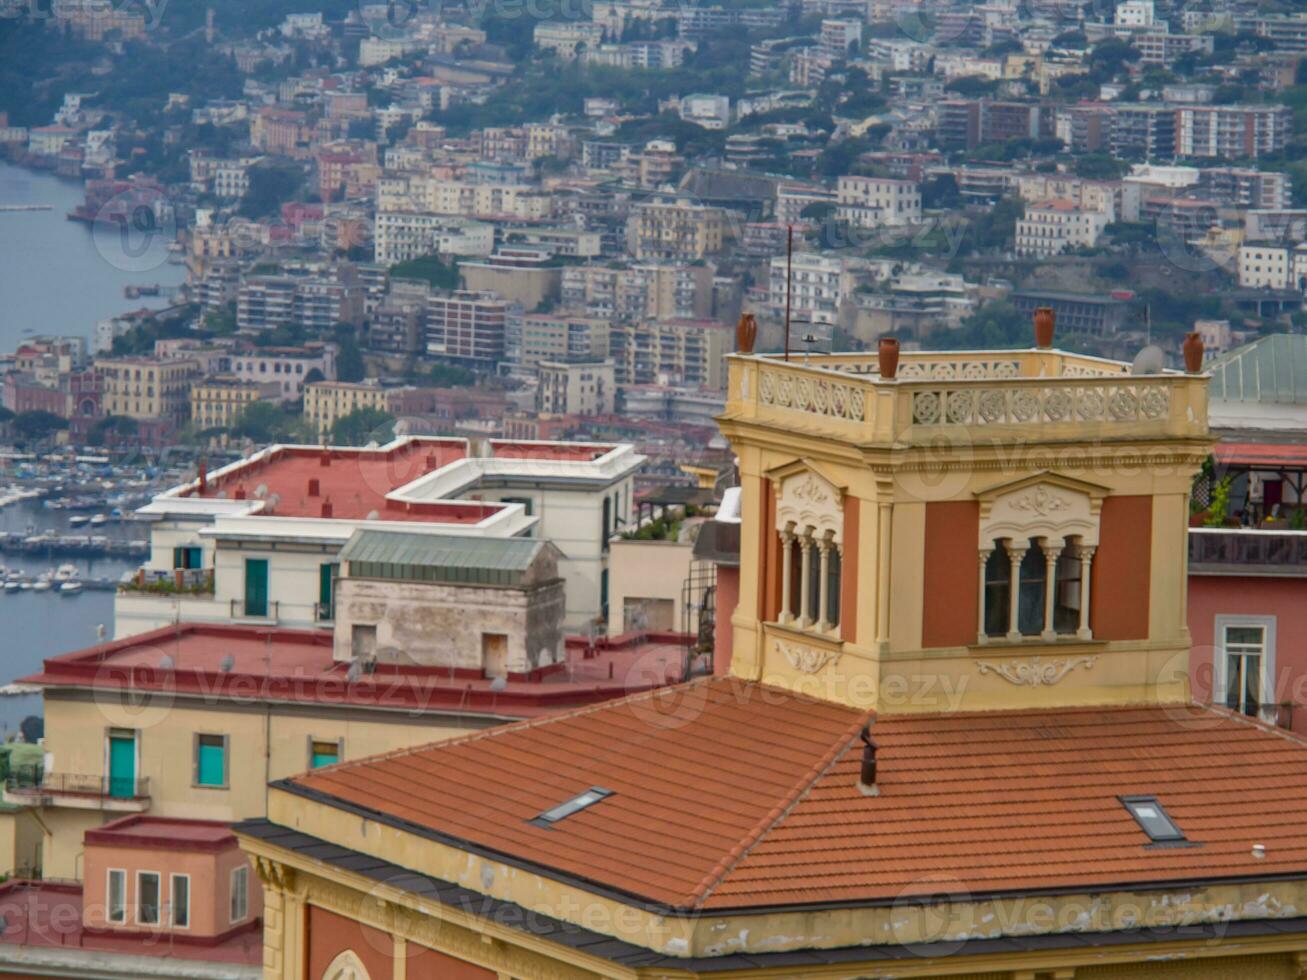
(1028, 393)
(1246, 551)
(177, 581)
(267, 612)
(78, 790)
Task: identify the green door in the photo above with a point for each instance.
(122, 766)
(326, 598)
(256, 586)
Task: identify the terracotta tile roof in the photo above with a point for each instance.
(745, 796)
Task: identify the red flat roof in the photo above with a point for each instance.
(166, 833)
(270, 664)
(49, 915)
(354, 482)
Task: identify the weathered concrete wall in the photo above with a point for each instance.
(436, 625)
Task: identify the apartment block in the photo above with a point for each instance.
(560, 337)
(400, 236)
(1053, 227)
(645, 291)
(676, 232)
(677, 352)
(467, 328)
(877, 202)
(217, 402)
(818, 285)
(147, 388)
(1232, 132)
(576, 387)
(286, 367)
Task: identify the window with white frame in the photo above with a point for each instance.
(180, 891)
(1037, 545)
(1245, 663)
(810, 525)
(116, 896)
(240, 893)
(147, 898)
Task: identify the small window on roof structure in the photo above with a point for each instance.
(1152, 819)
(576, 804)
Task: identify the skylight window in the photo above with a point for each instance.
(1152, 819)
(575, 805)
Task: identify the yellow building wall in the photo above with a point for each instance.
(263, 745)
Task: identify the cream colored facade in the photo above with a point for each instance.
(266, 740)
(680, 231)
(147, 388)
(433, 195)
(217, 402)
(326, 402)
(837, 461)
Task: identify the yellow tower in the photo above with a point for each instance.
(964, 530)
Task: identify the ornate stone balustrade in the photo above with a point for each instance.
(1034, 404)
(990, 390)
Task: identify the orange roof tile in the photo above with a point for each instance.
(743, 796)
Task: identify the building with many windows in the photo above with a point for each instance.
(1053, 227)
(147, 388)
(877, 202)
(218, 401)
(676, 231)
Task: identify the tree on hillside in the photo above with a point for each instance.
(363, 425)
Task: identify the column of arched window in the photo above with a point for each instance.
(811, 566)
(1035, 587)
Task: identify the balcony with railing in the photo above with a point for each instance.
(1247, 551)
(1027, 394)
(78, 791)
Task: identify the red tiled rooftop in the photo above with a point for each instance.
(274, 664)
(48, 915)
(1269, 455)
(740, 795)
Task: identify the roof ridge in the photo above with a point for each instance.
(746, 844)
(513, 726)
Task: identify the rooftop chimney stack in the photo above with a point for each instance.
(314, 487)
(204, 474)
(326, 508)
(867, 777)
(325, 458)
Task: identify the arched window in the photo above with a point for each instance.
(1030, 618)
(998, 588)
(346, 966)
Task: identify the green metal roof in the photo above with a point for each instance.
(1272, 369)
(409, 557)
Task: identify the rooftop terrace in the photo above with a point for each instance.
(260, 664)
(1033, 394)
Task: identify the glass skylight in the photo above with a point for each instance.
(1152, 819)
(577, 803)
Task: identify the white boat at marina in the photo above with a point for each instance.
(99, 520)
(13, 585)
(78, 520)
(66, 572)
(70, 588)
(41, 585)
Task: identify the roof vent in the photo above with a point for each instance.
(867, 775)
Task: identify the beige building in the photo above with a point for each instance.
(1054, 227)
(656, 290)
(327, 401)
(678, 352)
(217, 402)
(676, 231)
(877, 202)
(576, 387)
(559, 337)
(147, 387)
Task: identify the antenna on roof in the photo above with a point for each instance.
(498, 684)
(228, 662)
(260, 491)
(166, 662)
(372, 516)
(789, 282)
(1149, 360)
(354, 672)
(100, 632)
(273, 500)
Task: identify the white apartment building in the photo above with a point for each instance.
(877, 202)
(258, 541)
(1232, 131)
(432, 195)
(576, 387)
(287, 367)
(1273, 267)
(839, 36)
(819, 285)
(1054, 227)
(399, 236)
(708, 111)
(1134, 13)
(566, 38)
